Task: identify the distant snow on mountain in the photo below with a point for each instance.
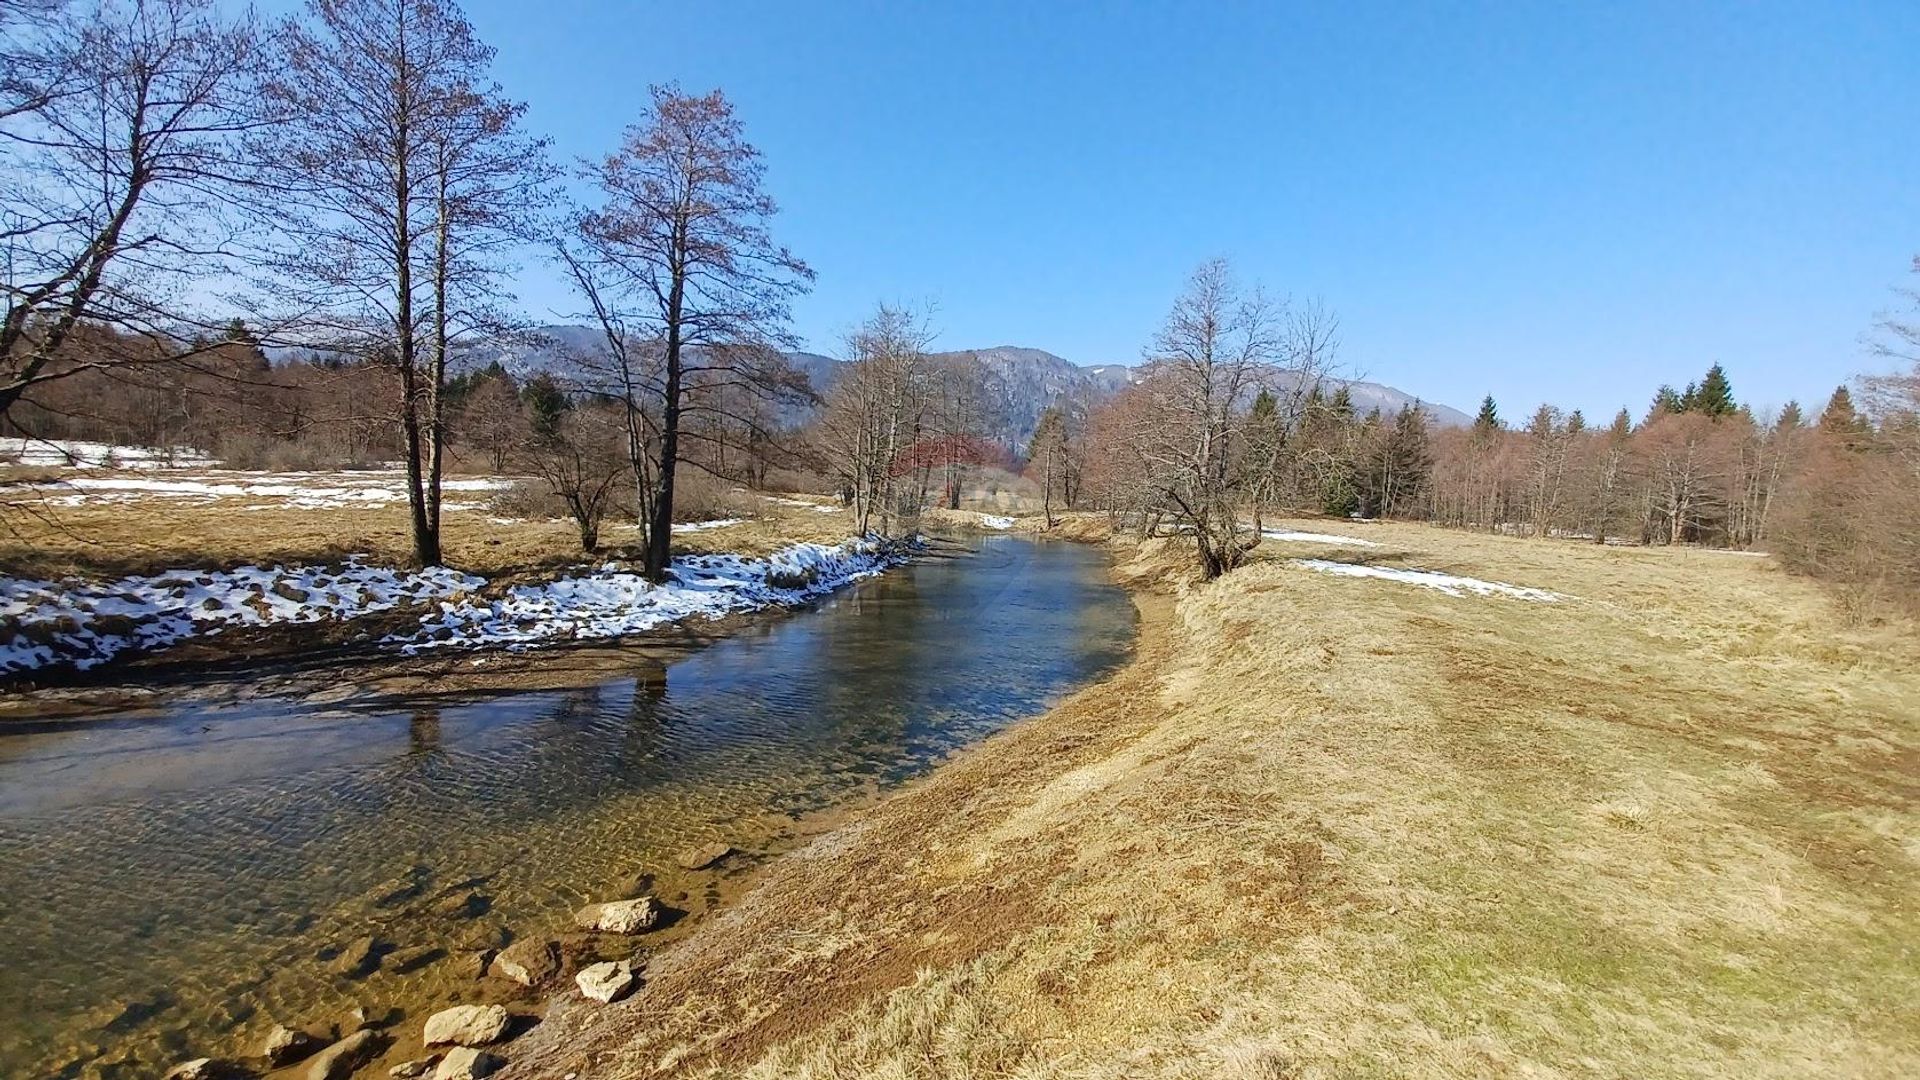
(1030, 379)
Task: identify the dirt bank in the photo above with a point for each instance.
(1332, 824)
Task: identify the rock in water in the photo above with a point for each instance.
(528, 963)
(337, 1062)
(466, 1063)
(359, 957)
(607, 982)
(284, 1045)
(197, 1069)
(466, 1025)
(409, 1070)
(620, 916)
(699, 858)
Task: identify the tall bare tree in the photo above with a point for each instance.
(880, 399)
(682, 271)
(1219, 347)
(119, 124)
(405, 184)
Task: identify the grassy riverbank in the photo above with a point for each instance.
(1668, 824)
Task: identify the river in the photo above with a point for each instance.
(174, 880)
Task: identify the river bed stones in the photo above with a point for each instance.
(620, 916)
(703, 856)
(337, 1062)
(529, 962)
(466, 1025)
(286, 1045)
(359, 957)
(607, 982)
(467, 1063)
(410, 1070)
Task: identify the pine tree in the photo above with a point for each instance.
(1715, 394)
(1576, 422)
(1790, 417)
(548, 403)
(1665, 401)
(1342, 405)
(1489, 418)
(1842, 420)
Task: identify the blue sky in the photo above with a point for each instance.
(1531, 200)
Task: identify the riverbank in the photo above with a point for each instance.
(181, 616)
(1391, 801)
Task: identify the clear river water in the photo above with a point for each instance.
(175, 880)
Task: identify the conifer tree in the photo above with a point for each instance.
(1489, 418)
(1714, 397)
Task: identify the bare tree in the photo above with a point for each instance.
(582, 462)
(404, 181)
(118, 132)
(686, 281)
(877, 404)
(1218, 349)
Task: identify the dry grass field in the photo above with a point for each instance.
(1330, 826)
(151, 535)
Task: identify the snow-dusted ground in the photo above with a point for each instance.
(1316, 538)
(699, 526)
(1451, 584)
(611, 602)
(273, 491)
(86, 622)
(995, 521)
(72, 454)
(804, 504)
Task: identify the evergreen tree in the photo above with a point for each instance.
(547, 403)
(1790, 417)
(1842, 420)
(1689, 398)
(1489, 418)
(1715, 394)
(1342, 405)
(1665, 401)
(1576, 422)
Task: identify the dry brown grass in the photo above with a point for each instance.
(1334, 827)
(159, 534)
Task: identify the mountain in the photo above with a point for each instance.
(1028, 380)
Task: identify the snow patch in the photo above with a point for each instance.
(697, 526)
(1316, 538)
(612, 602)
(73, 454)
(304, 491)
(84, 622)
(995, 521)
(1451, 584)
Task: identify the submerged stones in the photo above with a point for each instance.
(704, 856)
(359, 957)
(528, 962)
(467, 1063)
(620, 916)
(337, 1062)
(607, 982)
(410, 1070)
(286, 1045)
(466, 1025)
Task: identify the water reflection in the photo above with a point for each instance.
(168, 880)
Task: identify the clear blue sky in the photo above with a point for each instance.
(1523, 199)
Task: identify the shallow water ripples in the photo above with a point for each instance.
(169, 882)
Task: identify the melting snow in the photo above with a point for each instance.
(1316, 538)
(716, 523)
(611, 602)
(1451, 584)
(72, 454)
(85, 622)
(306, 491)
(995, 521)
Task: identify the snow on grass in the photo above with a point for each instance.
(612, 602)
(304, 491)
(73, 454)
(83, 623)
(995, 521)
(697, 526)
(1451, 584)
(1316, 538)
(804, 504)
